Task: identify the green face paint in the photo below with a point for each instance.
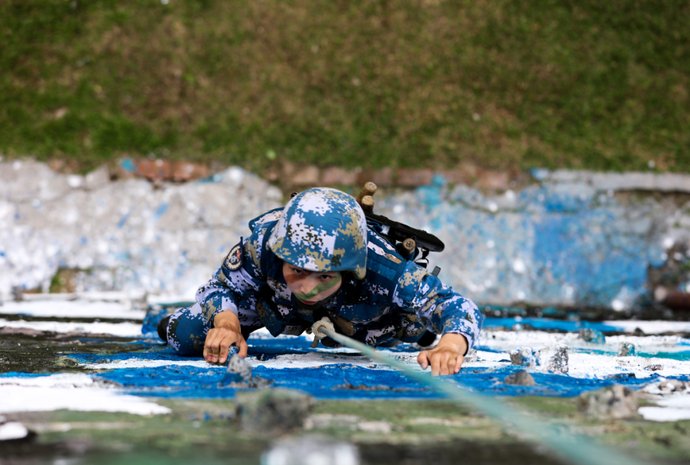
(319, 288)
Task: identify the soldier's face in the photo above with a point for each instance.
(311, 287)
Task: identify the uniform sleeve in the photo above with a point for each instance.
(437, 305)
(236, 284)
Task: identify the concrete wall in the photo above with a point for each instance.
(566, 238)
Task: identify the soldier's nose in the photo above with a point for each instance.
(307, 287)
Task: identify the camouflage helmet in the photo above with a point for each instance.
(322, 229)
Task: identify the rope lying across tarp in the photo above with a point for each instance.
(573, 448)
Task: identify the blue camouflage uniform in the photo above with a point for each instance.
(392, 300)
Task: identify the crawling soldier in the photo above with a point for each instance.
(317, 257)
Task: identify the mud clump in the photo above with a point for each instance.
(239, 373)
(524, 357)
(627, 349)
(520, 378)
(614, 402)
(668, 386)
(592, 336)
(273, 411)
(558, 362)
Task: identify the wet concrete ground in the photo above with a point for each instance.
(388, 418)
(202, 430)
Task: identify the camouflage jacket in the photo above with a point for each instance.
(396, 300)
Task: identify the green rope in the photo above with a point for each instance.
(576, 449)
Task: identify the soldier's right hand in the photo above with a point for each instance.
(226, 333)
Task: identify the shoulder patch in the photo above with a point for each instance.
(233, 261)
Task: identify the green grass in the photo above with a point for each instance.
(505, 84)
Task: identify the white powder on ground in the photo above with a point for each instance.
(72, 309)
(70, 392)
(12, 430)
(114, 329)
(674, 407)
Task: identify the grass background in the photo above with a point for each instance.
(503, 84)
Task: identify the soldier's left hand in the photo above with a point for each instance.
(447, 357)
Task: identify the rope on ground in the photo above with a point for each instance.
(574, 448)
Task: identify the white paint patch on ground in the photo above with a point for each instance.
(69, 392)
(672, 399)
(72, 309)
(584, 365)
(591, 366)
(138, 363)
(651, 327)
(315, 360)
(508, 340)
(498, 339)
(12, 430)
(114, 329)
(541, 341)
(650, 344)
(92, 296)
(309, 360)
(673, 407)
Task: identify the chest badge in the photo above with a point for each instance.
(233, 261)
